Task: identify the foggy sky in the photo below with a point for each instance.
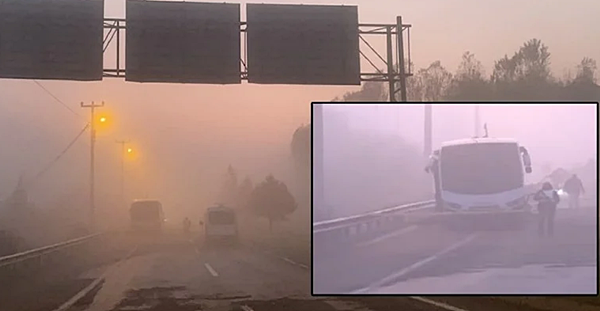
(560, 135)
(186, 135)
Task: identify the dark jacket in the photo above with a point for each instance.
(545, 200)
(573, 186)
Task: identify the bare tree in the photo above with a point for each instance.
(435, 81)
(533, 62)
(469, 82)
(586, 70)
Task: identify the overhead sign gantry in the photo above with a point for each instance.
(195, 42)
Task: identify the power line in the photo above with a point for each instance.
(56, 98)
(49, 166)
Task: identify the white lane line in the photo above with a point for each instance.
(387, 236)
(438, 304)
(246, 308)
(294, 263)
(418, 264)
(211, 270)
(80, 295)
(69, 303)
(290, 261)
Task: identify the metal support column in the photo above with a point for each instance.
(401, 65)
(390, 65)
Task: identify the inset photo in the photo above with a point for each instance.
(451, 198)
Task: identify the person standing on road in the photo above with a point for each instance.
(433, 168)
(574, 188)
(547, 199)
(186, 226)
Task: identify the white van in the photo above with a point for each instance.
(220, 225)
(146, 215)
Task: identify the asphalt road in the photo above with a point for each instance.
(443, 257)
(174, 272)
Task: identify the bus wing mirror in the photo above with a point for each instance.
(528, 170)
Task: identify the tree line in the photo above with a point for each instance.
(523, 76)
(526, 75)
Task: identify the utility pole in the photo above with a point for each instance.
(92, 106)
(477, 121)
(428, 131)
(122, 143)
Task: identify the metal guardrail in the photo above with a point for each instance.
(375, 217)
(38, 252)
(344, 222)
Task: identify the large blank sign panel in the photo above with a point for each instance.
(183, 42)
(303, 44)
(51, 39)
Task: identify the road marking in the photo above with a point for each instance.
(289, 260)
(418, 264)
(69, 303)
(80, 295)
(246, 308)
(294, 263)
(387, 236)
(437, 304)
(211, 270)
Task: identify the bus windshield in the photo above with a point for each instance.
(146, 211)
(221, 217)
(484, 168)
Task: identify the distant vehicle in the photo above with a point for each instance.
(483, 175)
(146, 215)
(220, 225)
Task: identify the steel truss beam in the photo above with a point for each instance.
(394, 69)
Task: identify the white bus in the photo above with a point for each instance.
(482, 174)
(220, 225)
